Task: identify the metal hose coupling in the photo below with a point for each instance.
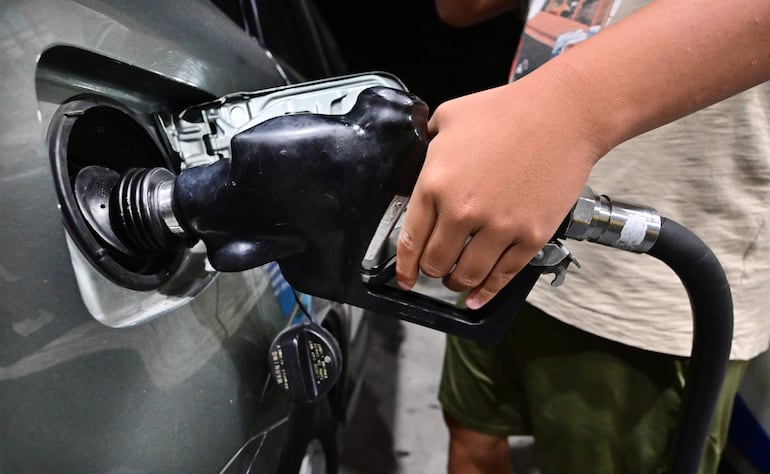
(625, 226)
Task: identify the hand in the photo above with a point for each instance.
(505, 165)
(503, 168)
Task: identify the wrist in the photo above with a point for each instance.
(578, 106)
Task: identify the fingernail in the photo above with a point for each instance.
(473, 302)
(405, 286)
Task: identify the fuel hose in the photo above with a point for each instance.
(638, 229)
(712, 309)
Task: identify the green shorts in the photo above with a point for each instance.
(592, 405)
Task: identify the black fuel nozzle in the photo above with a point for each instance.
(310, 191)
(304, 186)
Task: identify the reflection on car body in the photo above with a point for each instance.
(138, 365)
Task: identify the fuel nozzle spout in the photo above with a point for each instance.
(133, 213)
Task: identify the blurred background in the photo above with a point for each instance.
(406, 38)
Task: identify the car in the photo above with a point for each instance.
(119, 361)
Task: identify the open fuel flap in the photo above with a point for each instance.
(97, 131)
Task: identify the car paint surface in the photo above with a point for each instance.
(188, 391)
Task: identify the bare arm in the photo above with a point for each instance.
(668, 60)
(505, 165)
(469, 12)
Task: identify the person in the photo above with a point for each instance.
(663, 103)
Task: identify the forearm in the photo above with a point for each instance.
(462, 13)
(667, 60)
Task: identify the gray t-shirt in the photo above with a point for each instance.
(709, 171)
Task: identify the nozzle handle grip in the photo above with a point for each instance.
(485, 325)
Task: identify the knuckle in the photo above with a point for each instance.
(485, 294)
(454, 287)
(494, 283)
(405, 276)
(503, 227)
(497, 280)
(407, 244)
(534, 235)
(432, 269)
(464, 281)
(440, 110)
(465, 212)
(432, 182)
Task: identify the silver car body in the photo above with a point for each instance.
(94, 376)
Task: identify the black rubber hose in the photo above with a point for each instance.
(712, 309)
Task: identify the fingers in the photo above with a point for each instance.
(421, 239)
(472, 188)
(415, 231)
(486, 265)
(510, 263)
(477, 260)
(439, 245)
(444, 247)
(430, 240)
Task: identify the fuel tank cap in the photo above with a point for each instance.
(305, 361)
